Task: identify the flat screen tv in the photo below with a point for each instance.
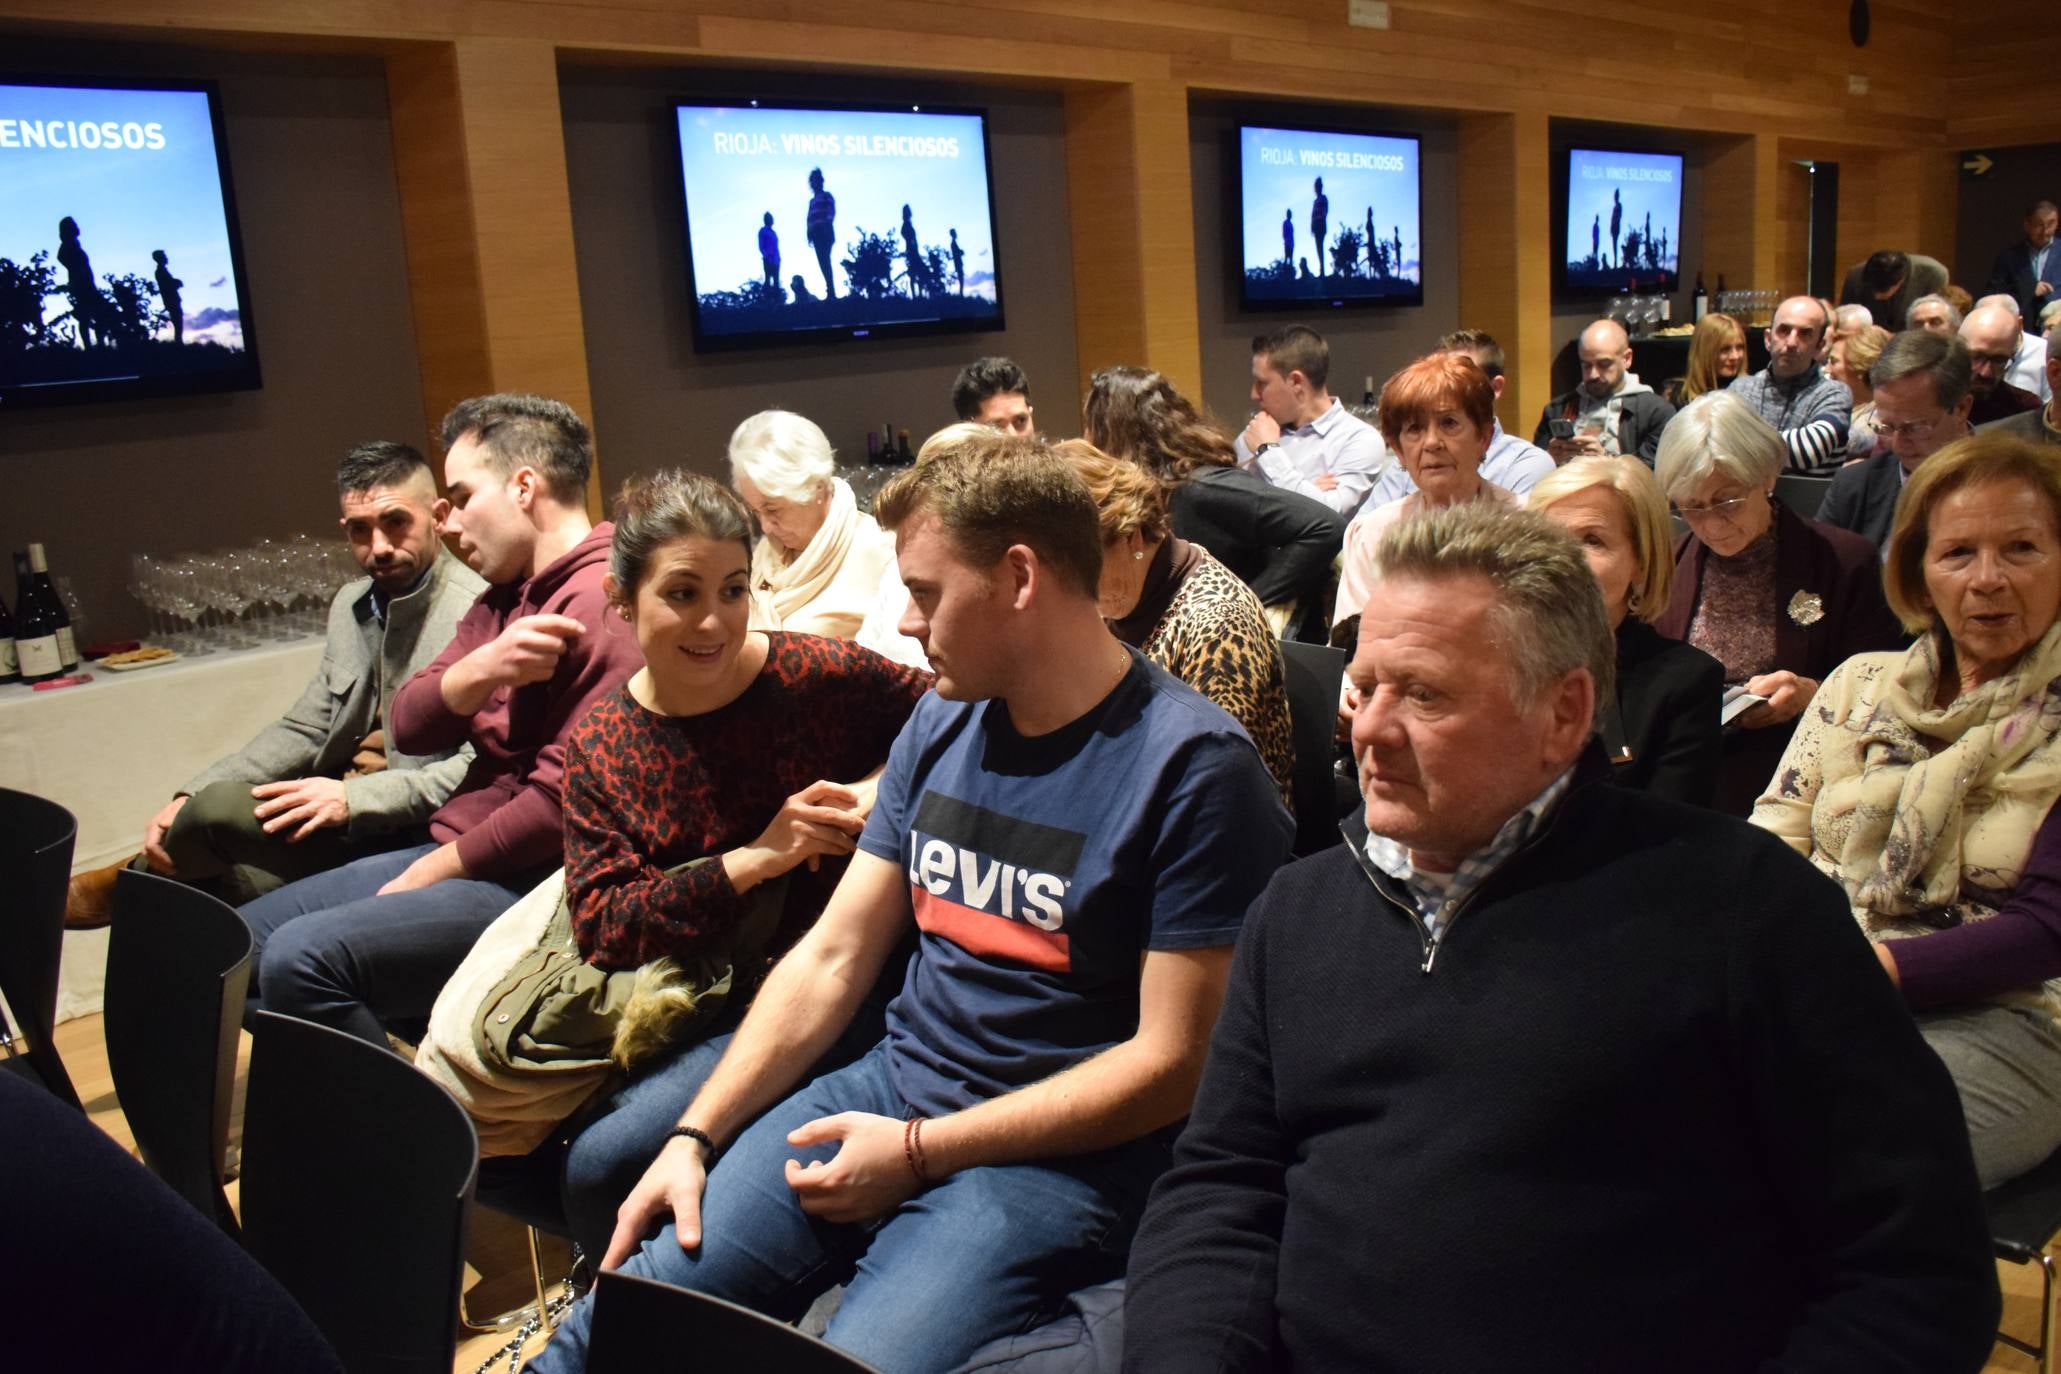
(121, 272)
(1328, 217)
(1623, 221)
(810, 223)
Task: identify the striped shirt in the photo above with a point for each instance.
(1812, 412)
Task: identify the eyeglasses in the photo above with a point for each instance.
(1722, 509)
(1920, 430)
(1993, 359)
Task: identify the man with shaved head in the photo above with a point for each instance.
(1812, 412)
(1612, 411)
(2028, 369)
(1991, 333)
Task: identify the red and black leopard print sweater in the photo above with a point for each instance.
(645, 792)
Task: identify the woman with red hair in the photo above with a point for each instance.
(1438, 415)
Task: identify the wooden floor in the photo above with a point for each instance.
(497, 1269)
(497, 1275)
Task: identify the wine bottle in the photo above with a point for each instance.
(35, 629)
(1701, 304)
(1369, 399)
(887, 441)
(46, 592)
(903, 454)
(872, 447)
(10, 666)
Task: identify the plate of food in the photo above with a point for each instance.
(149, 656)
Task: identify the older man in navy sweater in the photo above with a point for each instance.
(1539, 1070)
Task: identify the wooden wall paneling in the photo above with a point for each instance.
(1740, 233)
(479, 149)
(1131, 220)
(1506, 238)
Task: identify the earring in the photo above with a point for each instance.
(1631, 601)
(1140, 554)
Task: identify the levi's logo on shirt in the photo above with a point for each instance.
(992, 884)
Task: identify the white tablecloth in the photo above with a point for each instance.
(113, 751)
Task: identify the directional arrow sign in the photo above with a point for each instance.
(1976, 165)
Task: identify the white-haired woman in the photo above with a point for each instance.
(1778, 600)
(817, 564)
(1661, 726)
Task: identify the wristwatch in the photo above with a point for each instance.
(1265, 448)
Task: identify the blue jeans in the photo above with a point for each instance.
(986, 1253)
(331, 951)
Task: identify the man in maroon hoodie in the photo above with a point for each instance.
(369, 945)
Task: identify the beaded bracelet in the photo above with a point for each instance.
(708, 1146)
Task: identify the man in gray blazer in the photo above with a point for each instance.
(320, 786)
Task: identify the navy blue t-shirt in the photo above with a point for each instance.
(1041, 869)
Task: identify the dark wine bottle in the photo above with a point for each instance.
(35, 629)
(46, 592)
(10, 666)
(1701, 299)
(1368, 398)
(903, 454)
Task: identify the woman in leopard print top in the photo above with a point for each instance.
(1186, 611)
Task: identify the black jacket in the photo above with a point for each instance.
(2012, 275)
(1640, 419)
(1280, 543)
(1655, 1106)
(1661, 732)
(1863, 497)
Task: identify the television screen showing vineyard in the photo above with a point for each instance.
(1328, 217)
(120, 273)
(850, 222)
(1624, 221)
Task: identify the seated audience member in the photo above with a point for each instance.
(1832, 329)
(1935, 314)
(1612, 411)
(324, 784)
(1077, 836)
(370, 944)
(1958, 298)
(1852, 356)
(1778, 600)
(1717, 358)
(1437, 413)
(2042, 426)
(1848, 319)
(818, 564)
(881, 631)
(1919, 781)
(1991, 333)
(756, 748)
(1280, 544)
(175, 1292)
(1185, 611)
(1811, 412)
(1889, 281)
(2028, 369)
(1510, 462)
(1661, 726)
(1301, 437)
(2029, 271)
(994, 392)
(1920, 389)
(1524, 1023)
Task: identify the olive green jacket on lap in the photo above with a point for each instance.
(363, 664)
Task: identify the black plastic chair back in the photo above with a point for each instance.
(2024, 1215)
(645, 1326)
(1315, 673)
(36, 839)
(178, 962)
(1802, 492)
(357, 1183)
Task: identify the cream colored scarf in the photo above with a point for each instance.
(780, 589)
(1948, 798)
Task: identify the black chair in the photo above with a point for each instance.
(1315, 673)
(2024, 1215)
(178, 962)
(1802, 492)
(642, 1325)
(357, 1184)
(36, 856)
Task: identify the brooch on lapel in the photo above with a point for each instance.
(1806, 608)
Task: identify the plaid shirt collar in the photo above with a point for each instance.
(1438, 895)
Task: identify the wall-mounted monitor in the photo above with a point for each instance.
(1328, 217)
(121, 272)
(1621, 223)
(809, 223)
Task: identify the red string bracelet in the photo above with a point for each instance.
(912, 1149)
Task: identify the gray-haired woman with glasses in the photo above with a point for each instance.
(1778, 600)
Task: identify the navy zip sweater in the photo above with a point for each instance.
(1654, 1106)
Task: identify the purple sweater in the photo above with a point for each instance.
(2018, 947)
